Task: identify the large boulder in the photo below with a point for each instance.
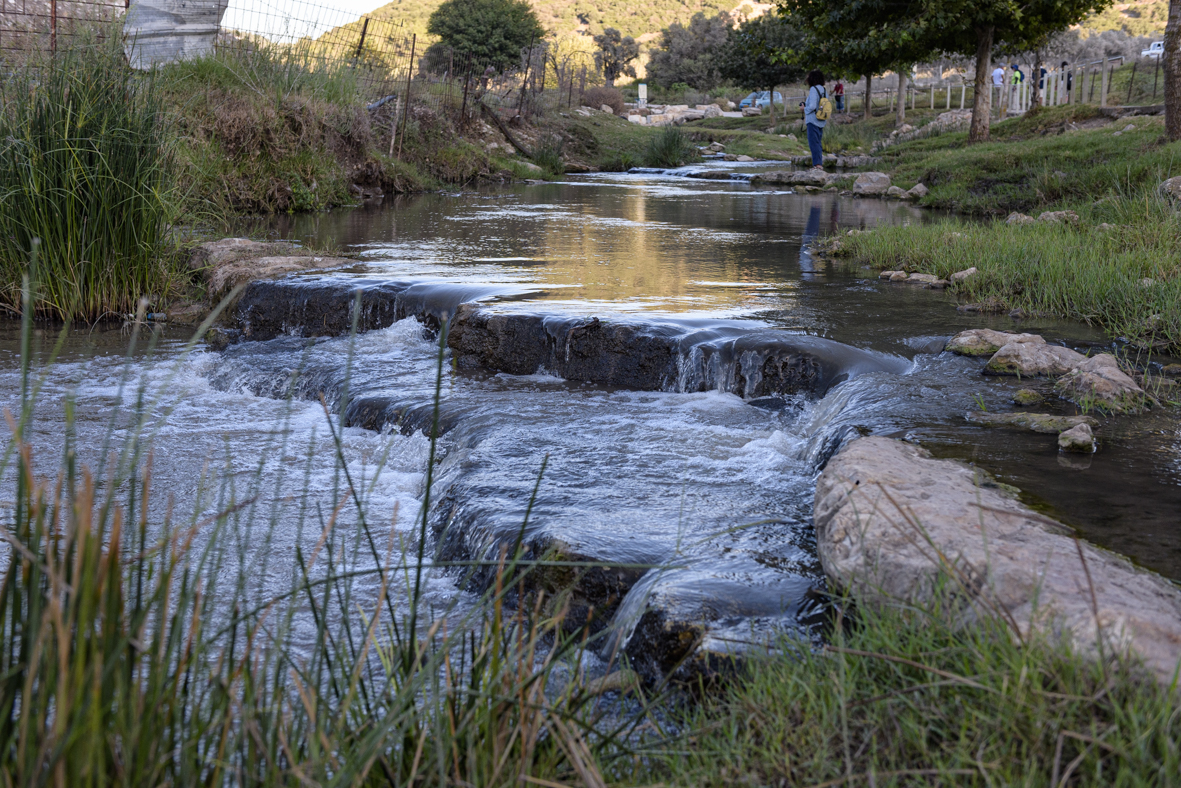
(1030, 360)
(1099, 381)
(891, 521)
(230, 262)
(898, 193)
(871, 184)
(985, 341)
(918, 191)
(1171, 189)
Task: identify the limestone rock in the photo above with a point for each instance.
(962, 276)
(885, 513)
(710, 110)
(747, 158)
(231, 262)
(1171, 188)
(918, 191)
(606, 108)
(898, 193)
(1105, 226)
(1078, 439)
(1019, 218)
(1058, 217)
(985, 341)
(888, 274)
(530, 166)
(1029, 360)
(922, 279)
(899, 276)
(751, 112)
(1027, 397)
(717, 147)
(1035, 422)
(871, 184)
(1101, 382)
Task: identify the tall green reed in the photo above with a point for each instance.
(140, 645)
(84, 166)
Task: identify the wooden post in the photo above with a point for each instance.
(406, 104)
(1155, 76)
(525, 79)
(467, 79)
(1131, 82)
(963, 93)
(949, 95)
(1103, 86)
(53, 25)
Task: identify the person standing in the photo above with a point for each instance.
(838, 93)
(815, 126)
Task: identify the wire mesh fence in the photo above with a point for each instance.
(387, 61)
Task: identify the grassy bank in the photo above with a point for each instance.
(1059, 156)
(913, 697)
(1125, 278)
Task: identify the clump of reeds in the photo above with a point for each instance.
(84, 166)
(669, 148)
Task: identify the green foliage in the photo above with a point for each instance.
(548, 154)
(491, 31)
(614, 54)
(750, 55)
(85, 167)
(669, 148)
(904, 696)
(688, 54)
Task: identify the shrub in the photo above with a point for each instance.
(597, 97)
(669, 148)
(548, 155)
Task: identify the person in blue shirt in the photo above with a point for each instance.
(815, 127)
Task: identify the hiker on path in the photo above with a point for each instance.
(838, 93)
(814, 125)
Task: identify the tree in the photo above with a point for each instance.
(493, 32)
(615, 54)
(688, 54)
(749, 55)
(976, 27)
(1173, 71)
(860, 38)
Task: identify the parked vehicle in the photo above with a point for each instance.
(765, 98)
(749, 100)
(1156, 50)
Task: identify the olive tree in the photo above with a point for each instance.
(491, 31)
(614, 54)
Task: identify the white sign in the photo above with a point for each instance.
(643, 94)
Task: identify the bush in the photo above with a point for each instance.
(597, 97)
(85, 168)
(669, 148)
(548, 154)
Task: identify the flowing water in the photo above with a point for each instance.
(710, 483)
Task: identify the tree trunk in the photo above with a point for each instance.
(903, 82)
(982, 101)
(772, 105)
(1035, 94)
(867, 110)
(1172, 58)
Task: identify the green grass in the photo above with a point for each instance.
(905, 696)
(1081, 273)
(670, 147)
(85, 166)
(1036, 161)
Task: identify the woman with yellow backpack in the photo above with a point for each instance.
(817, 110)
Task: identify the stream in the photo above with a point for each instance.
(704, 475)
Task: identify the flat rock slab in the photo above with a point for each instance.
(985, 341)
(890, 520)
(232, 262)
(1031, 359)
(1037, 422)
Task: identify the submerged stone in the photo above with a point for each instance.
(1028, 397)
(1037, 422)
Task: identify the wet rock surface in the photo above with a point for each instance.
(985, 341)
(1079, 439)
(1035, 422)
(1033, 359)
(890, 521)
(654, 357)
(232, 262)
(1099, 381)
(270, 309)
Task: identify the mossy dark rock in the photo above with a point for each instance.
(1028, 397)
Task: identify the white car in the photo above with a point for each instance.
(1156, 50)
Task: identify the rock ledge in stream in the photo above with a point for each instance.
(884, 509)
(654, 357)
(231, 262)
(985, 341)
(1036, 422)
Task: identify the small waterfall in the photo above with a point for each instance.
(628, 615)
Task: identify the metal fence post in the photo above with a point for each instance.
(361, 43)
(406, 105)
